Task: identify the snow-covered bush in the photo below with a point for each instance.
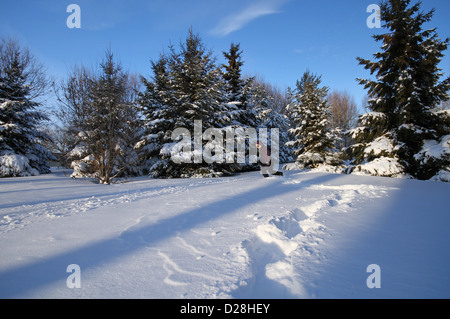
(12, 164)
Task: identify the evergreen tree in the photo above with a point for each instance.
(106, 125)
(197, 84)
(157, 105)
(261, 102)
(232, 72)
(187, 86)
(21, 141)
(243, 108)
(405, 93)
(310, 114)
(240, 108)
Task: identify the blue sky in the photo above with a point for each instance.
(280, 38)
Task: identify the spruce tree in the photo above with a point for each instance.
(198, 84)
(404, 95)
(240, 108)
(157, 105)
(21, 141)
(232, 73)
(187, 88)
(309, 112)
(200, 92)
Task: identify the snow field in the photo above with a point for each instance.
(305, 235)
(284, 243)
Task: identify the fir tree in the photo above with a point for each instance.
(21, 141)
(310, 113)
(405, 93)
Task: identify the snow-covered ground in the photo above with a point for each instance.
(304, 235)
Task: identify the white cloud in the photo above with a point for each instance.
(238, 20)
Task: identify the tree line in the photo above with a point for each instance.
(114, 124)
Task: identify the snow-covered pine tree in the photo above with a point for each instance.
(374, 149)
(105, 125)
(261, 101)
(241, 110)
(310, 113)
(187, 86)
(239, 89)
(391, 137)
(199, 89)
(21, 82)
(232, 73)
(156, 104)
(198, 85)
